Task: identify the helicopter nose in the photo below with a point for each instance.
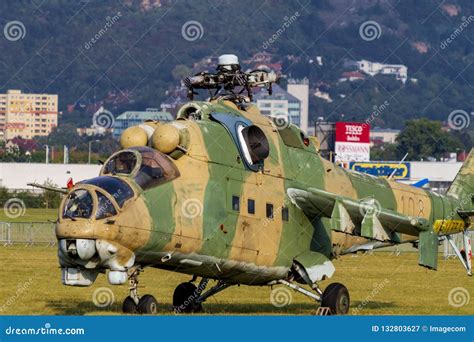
(84, 248)
(99, 232)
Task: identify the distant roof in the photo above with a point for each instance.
(348, 74)
(277, 92)
(379, 129)
(146, 115)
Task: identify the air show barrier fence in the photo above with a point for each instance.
(27, 233)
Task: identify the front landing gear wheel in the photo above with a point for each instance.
(183, 298)
(147, 305)
(336, 297)
(129, 306)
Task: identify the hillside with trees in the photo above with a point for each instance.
(87, 50)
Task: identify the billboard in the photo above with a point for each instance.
(352, 142)
(382, 169)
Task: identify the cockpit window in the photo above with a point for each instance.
(105, 207)
(78, 205)
(147, 166)
(122, 163)
(116, 187)
(156, 169)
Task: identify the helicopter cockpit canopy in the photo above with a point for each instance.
(147, 166)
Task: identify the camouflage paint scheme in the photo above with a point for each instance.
(189, 224)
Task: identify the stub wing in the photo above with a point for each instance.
(368, 219)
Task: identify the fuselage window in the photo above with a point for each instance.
(251, 206)
(269, 210)
(236, 203)
(285, 214)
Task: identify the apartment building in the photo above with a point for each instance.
(27, 115)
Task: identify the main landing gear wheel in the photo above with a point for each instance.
(147, 305)
(336, 297)
(129, 306)
(184, 297)
(134, 304)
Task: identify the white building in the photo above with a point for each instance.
(400, 71)
(300, 90)
(383, 135)
(16, 176)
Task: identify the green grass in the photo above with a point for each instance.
(31, 215)
(388, 284)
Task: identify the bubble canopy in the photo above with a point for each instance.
(147, 167)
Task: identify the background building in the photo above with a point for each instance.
(27, 115)
(300, 90)
(380, 136)
(400, 71)
(439, 174)
(133, 118)
(15, 176)
(280, 103)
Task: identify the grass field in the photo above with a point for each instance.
(380, 283)
(31, 215)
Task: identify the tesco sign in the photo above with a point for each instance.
(352, 142)
(352, 132)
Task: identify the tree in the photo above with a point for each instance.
(423, 139)
(386, 151)
(180, 71)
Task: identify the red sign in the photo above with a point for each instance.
(352, 132)
(15, 125)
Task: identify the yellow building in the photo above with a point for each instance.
(27, 115)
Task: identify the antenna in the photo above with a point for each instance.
(399, 163)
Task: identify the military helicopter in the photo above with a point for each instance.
(224, 193)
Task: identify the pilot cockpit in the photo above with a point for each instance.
(147, 166)
(108, 194)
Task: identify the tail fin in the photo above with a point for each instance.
(462, 188)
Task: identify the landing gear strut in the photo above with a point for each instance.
(134, 303)
(335, 297)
